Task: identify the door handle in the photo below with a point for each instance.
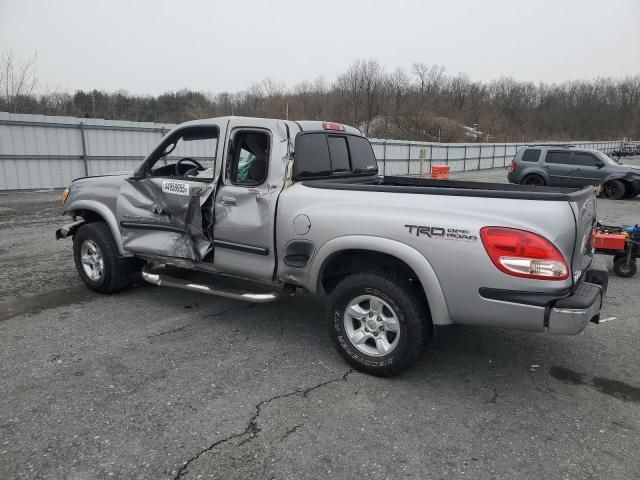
(229, 201)
(260, 195)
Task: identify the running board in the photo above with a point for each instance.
(151, 273)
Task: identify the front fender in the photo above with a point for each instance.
(409, 255)
(105, 212)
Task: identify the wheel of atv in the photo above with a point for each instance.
(378, 322)
(622, 269)
(96, 258)
(533, 179)
(614, 190)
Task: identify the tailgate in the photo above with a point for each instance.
(583, 204)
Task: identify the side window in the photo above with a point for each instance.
(585, 160)
(187, 153)
(531, 155)
(249, 158)
(312, 156)
(558, 157)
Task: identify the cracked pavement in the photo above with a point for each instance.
(156, 383)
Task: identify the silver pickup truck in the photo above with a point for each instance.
(254, 209)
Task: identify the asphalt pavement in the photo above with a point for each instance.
(158, 383)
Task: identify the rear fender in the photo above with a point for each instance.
(412, 257)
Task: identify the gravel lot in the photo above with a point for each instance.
(160, 383)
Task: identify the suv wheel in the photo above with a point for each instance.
(96, 258)
(378, 322)
(613, 190)
(533, 179)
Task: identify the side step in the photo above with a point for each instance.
(156, 274)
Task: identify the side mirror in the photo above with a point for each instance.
(600, 164)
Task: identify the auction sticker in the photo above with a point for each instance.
(177, 188)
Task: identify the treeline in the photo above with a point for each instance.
(423, 103)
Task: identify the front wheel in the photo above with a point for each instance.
(97, 261)
(614, 190)
(378, 322)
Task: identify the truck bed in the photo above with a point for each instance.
(424, 186)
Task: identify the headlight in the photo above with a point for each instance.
(65, 194)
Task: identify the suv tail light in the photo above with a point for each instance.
(513, 165)
(523, 254)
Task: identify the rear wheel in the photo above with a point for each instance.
(622, 269)
(378, 322)
(533, 179)
(97, 261)
(614, 190)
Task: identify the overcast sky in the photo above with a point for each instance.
(152, 46)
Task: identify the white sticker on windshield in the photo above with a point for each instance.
(177, 188)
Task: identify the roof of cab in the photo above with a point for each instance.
(303, 125)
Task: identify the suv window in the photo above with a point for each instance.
(531, 155)
(558, 157)
(320, 155)
(249, 158)
(585, 159)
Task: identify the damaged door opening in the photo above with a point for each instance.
(166, 207)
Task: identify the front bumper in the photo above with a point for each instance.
(68, 230)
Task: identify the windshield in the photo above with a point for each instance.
(606, 158)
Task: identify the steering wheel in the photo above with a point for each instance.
(198, 167)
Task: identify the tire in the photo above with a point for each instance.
(401, 312)
(533, 179)
(103, 271)
(621, 268)
(614, 190)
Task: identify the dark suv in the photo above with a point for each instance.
(566, 166)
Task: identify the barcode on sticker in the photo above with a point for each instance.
(177, 188)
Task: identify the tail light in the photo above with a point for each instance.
(523, 254)
(513, 165)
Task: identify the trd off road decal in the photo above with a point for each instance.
(177, 188)
(444, 233)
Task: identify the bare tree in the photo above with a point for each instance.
(362, 87)
(17, 80)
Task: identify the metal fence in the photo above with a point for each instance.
(413, 158)
(38, 151)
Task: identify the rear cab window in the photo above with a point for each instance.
(531, 155)
(320, 154)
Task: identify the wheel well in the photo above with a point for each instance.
(89, 216)
(534, 174)
(347, 262)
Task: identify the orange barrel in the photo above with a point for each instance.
(440, 172)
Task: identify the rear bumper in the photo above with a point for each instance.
(563, 313)
(571, 315)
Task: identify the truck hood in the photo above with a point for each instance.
(102, 189)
